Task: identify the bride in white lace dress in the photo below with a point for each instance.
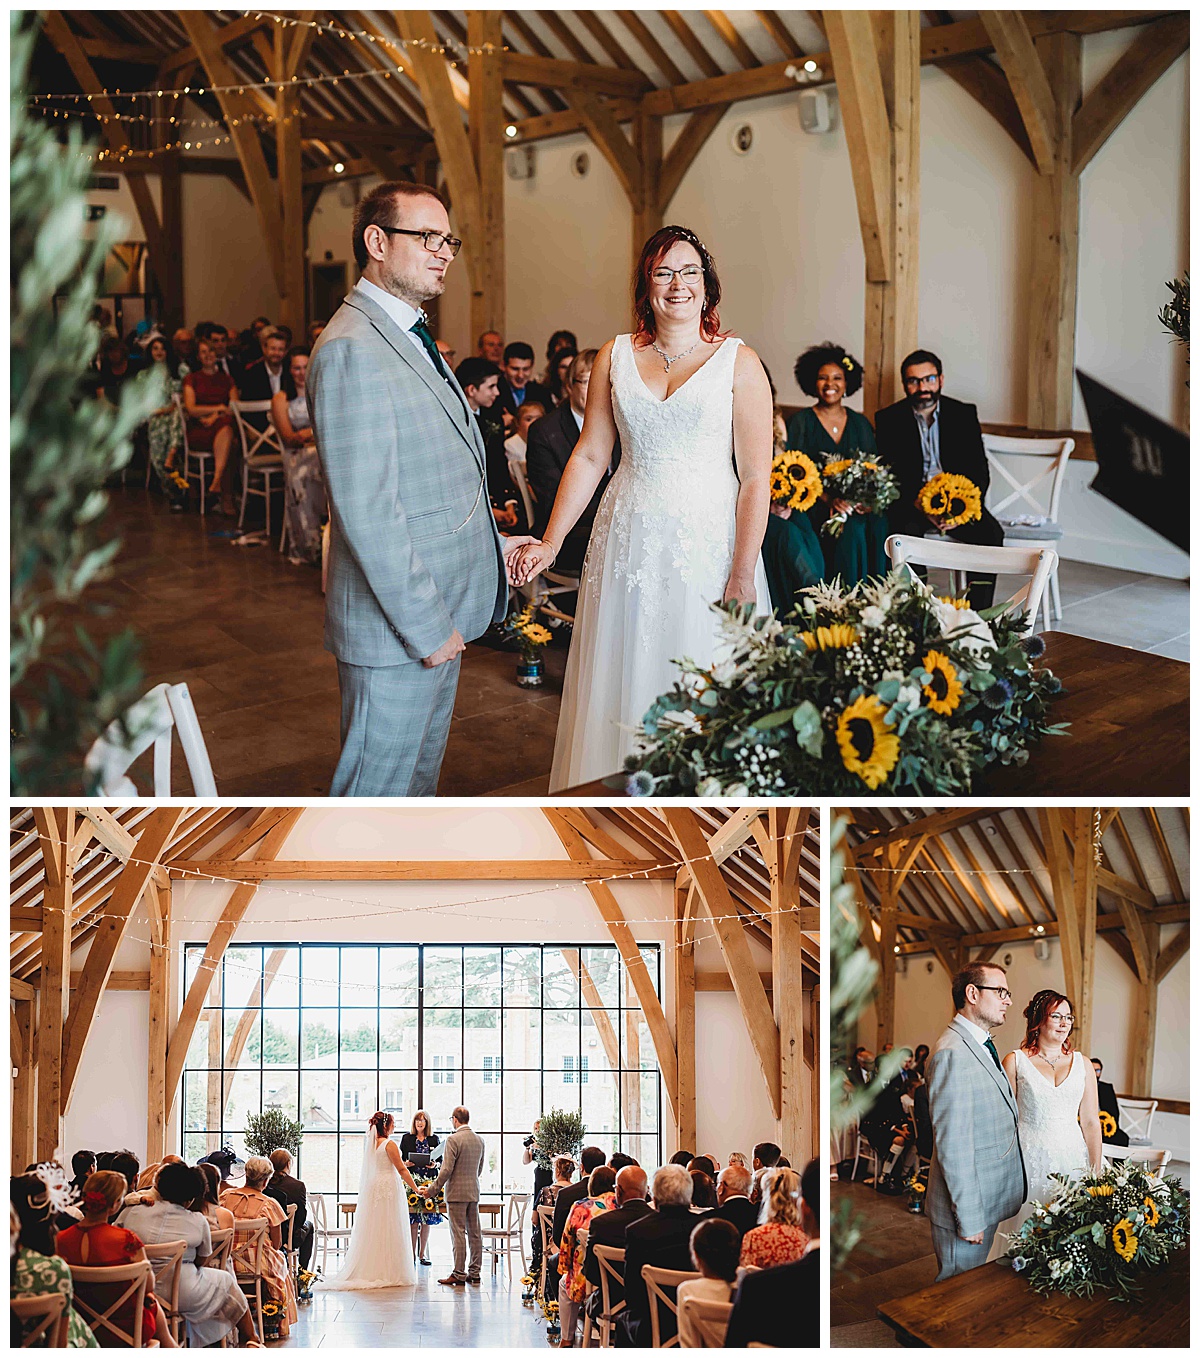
(380, 1252)
(1057, 1104)
(681, 524)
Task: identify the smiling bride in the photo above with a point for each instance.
(682, 522)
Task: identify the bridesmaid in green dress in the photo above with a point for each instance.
(829, 374)
(791, 551)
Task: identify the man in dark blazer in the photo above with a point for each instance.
(733, 1198)
(264, 377)
(590, 1158)
(515, 385)
(609, 1228)
(549, 444)
(661, 1238)
(1107, 1096)
(286, 1189)
(781, 1307)
(927, 433)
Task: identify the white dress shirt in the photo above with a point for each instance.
(970, 1029)
(404, 315)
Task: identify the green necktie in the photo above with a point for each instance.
(421, 330)
(991, 1046)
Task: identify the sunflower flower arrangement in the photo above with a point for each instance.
(531, 634)
(862, 479)
(881, 688)
(951, 499)
(1108, 1124)
(795, 480)
(1099, 1233)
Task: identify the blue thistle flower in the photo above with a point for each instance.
(1034, 646)
(1054, 685)
(998, 695)
(639, 784)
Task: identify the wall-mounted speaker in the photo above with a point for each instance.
(1041, 950)
(818, 111)
(519, 162)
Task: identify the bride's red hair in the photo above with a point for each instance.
(652, 254)
(1036, 1012)
(383, 1123)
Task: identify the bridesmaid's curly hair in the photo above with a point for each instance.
(382, 1122)
(811, 361)
(1035, 1015)
(652, 253)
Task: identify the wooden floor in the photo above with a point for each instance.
(243, 627)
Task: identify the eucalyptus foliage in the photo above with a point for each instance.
(63, 447)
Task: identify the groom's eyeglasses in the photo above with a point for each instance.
(432, 240)
(1002, 991)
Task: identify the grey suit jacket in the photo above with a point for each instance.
(414, 548)
(462, 1164)
(977, 1175)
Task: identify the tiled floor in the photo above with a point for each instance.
(243, 627)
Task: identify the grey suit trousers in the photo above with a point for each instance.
(395, 721)
(464, 1227)
(954, 1255)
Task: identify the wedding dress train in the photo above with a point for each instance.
(659, 556)
(380, 1252)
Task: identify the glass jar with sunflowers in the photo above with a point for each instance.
(532, 637)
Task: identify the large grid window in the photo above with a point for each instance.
(330, 1032)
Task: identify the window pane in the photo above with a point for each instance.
(522, 1039)
(196, 1085)
(360, 1038)
(637, 1046)
(481, 969)
(360, 969)
(442, 1037)
(650, 956)
(398, 1096)
(398, 976)
(319, 1037)
(561, 1038)
(522, 1100)
(242, 968)
(481, 1039)
(357, 1099)
(281, 1089)
(398, 1037)
(318, 1100)
(443, 976)
(351, 1150)
(483, 1102)
(317, 1166)
(601, 1045)
(599, 1100)
(284, 990)
(245, 1097)
(280, 1039)
(560, 983)
(205, 1047)
(604, 968)
(244, 1031)
(522, 976)
(319, 972)
(517, 1177)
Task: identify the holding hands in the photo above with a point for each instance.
(529, 561)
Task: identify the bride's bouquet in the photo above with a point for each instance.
(795, 480)
(863, 480)
(885, 686)
(953, 499)
(1101, 1232)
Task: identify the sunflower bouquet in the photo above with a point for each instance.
(881, 688)
(795, 480)
(863, 480)
(951, 499)
(425, 1205)
(531, 634)
(1101, 1231)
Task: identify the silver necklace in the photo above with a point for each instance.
(667, 359)
(1049, 1060)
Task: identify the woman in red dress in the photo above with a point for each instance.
(779, 1240)
(210, 428)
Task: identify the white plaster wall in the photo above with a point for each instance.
(109, 1104)
(733, 1111)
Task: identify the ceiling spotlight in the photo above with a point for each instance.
(511, 130)
(810, 66)
(1041, 929)
(896, 949)
(339, 168)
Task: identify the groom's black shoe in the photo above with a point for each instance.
(452, 1281)
(475, 1282)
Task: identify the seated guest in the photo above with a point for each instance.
(920, 1056)
(781, 1307)
(590, 1158)
(490, 345)
(36, 1270)
(165, 426)
(927, 433)
(264, 377)
(515, 444)
(210, 1300)
(515, 385)
(733, 1198)
(704, 1191)
(228, 1166)
(881, 1124)
(313, 333)
(618, 1160)
(305, 501)
(780, 1239)
(286, 1189)
(206, 397)
(479, 380)
(1108, 1104)
(830, 429)
(147, 1178)
(609, 1229)
(218, 337)
(116, 368)
(550, 443)
(766, 1154)
(219, 1218)
(660, 1238)
(564, 1175)
(558, 367)
(251, 1202)
(572, 1284)
(561, 342)
(737, 1158)
(683, 1158)
(703, 1164)
(83, 1163)
(923, 1121)
(183, 345)
(93, 1243)
(715, 1245)
(125, 1163)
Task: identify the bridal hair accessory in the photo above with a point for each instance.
(382, 1123)
(58, 1187)
(693, 239)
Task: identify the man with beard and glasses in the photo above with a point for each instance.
(416, 564)
(927, 433)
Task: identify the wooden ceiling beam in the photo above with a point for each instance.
(732, 39)
(431, 870)
(689, 39)
(778, 32)
(637, 27)
(538, 47)
(932, 824)
(549, 73)
(1164, 853)
(605, 37)
(1013, 41)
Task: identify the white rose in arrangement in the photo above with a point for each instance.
(686, 720)
(709, 787)
(872, 616)
(972, 632)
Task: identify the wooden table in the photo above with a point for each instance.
(991, 1307)
(491, 1209)
(1129, 729)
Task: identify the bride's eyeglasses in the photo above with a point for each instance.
(690, 273)
(1002, 991)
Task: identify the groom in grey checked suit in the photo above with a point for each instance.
(977, 1175)
(417, 566)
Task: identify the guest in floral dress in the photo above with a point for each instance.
(165, 426)
(572, 1285)
(250, 1203)
(779, 1240)
(304, 499)
(564, 1177)
(36, 1270)
(421, 1140)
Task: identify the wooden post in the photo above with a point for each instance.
(631, 1080)
(885, 1003)
(1085, 913)
(158, 900)
(1145, 1020)
(54, 992)
(685, 1019)
(289, 172)
(787, 995)
(24, 1109)
(1064, 899)
(647, 205)
(486, 116)
(169, 269)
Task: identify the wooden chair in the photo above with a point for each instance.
(166, 1259)
(249, 1246)
(323, 1233)
(201, 458)
(47, 1316)
(95, 1301)
(963, 558)
(222, 1248)
(501, 1238)
(1137, 1119)
(611, 1261)
(658, 1281)
(709, 1320)
(1156, 1160)
(864, 1150)
(545, 1221)
(291, 1253)
(262, 456)
(1009, 459)
(165, 710)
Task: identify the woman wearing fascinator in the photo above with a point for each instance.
(681, 525)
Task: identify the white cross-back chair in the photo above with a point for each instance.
(323, 1233)
(517, 470)
(545, 1222)
(103, 1295)
(196, 461)
(47, 1318)
(1156, 1160)
(150, 721)
(964, 560)
(262, 456)
(1137, 1119)
(660, 1288)
(249, 1263)
(707, 1320)
(611, 1261)
(166, 1260)
(222, 1247)
(1014, 495)
(499, 1240)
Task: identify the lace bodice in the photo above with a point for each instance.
(1051, 1140)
